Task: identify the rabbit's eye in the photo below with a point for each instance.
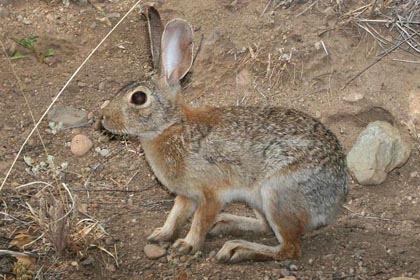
(139, 98)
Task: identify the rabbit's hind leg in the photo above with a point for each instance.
(232, 224)
(287, 221)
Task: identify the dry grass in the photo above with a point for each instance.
(390, 23)
(54, 216)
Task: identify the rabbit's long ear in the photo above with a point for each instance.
(155, 26)
(176, 51)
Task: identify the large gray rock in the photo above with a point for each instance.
(378, 150)
(70, 117)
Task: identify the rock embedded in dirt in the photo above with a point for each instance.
(4, 12)
(70, 117)
(80, 145)
(378, 150)
(288, 278)
(353, 97)
(101, 85)
(82, 84)
(154, 252)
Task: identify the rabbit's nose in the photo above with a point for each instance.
(104, 114)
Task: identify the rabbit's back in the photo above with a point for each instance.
(264, 139)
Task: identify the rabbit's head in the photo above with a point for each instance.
(147, 108)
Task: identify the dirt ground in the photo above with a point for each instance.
(250, 54)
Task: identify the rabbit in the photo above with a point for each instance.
(281, 162)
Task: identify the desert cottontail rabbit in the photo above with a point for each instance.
(281, 162)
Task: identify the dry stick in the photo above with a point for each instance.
(266, 7)
(376, 61)
(307, 9)
(61, 91)
(370, 217)
(408, 61)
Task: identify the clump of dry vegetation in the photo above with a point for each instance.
(400, 17)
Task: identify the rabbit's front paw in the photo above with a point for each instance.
(185, 247)
(160, 234)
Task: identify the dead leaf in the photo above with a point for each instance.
(104, 20)
(181, 276)
(21, 240)
(25, 259)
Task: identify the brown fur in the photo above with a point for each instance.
(168, 151)
(201, 115)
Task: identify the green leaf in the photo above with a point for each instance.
(49, 52)
(28, 42)
(17, 55)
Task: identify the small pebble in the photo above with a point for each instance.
(101, 85)
(293, 267)
(81, 84)
(27, 21)
(80, 145)
(353, 97)
(154, 252)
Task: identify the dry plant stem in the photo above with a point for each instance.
(407, 61)
(266, 7)
(107, 190)
(13, 253)
(376, 61)
(61, 91)
(307, 9)
(370, 217)
(14, 218)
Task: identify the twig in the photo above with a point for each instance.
(15, 254)
(408, 61)
(107, 190)
(370, 217)
(62, 90)
(266, 6)
(129, 181)
(325, 48)
(14, 218)
(307, 8)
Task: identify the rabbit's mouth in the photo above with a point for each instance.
(114, 129)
